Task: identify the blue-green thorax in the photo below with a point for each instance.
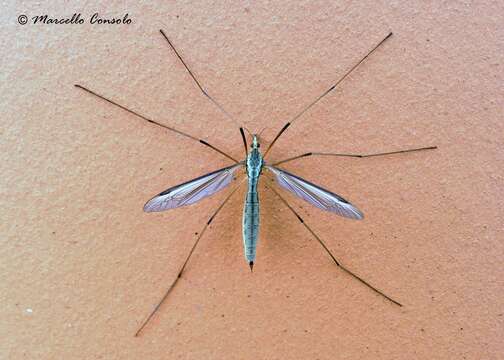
(254, 162)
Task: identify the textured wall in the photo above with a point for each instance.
(81, 264)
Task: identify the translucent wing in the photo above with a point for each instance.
(315, 195)
(192, 191)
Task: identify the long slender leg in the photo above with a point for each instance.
(207, 95)
(324, 94)
(156, 308)
(157, 123)
(244, 142)
(328, 251)
(353, 155)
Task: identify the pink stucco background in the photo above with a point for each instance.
(81, 265)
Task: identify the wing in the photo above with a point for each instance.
(315, 195)
(192, 191)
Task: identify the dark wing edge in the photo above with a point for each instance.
(193, 190)
(315, 195)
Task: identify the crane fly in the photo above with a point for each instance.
(204, 186)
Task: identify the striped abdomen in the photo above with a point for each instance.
(251, 220)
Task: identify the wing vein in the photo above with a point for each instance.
(314, 194)
(192, 191)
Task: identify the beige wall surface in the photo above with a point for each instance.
(81, 265)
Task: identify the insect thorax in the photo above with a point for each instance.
(254, 163)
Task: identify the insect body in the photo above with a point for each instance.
(206, 185)
(251, 220)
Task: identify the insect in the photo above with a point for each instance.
(255, 165)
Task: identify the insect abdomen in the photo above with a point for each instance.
(250, 224)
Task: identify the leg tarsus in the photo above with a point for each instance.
(360, 156)
(156, 308)
(306, 108)
(154, 122)
(205, 93)
(329, 252)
